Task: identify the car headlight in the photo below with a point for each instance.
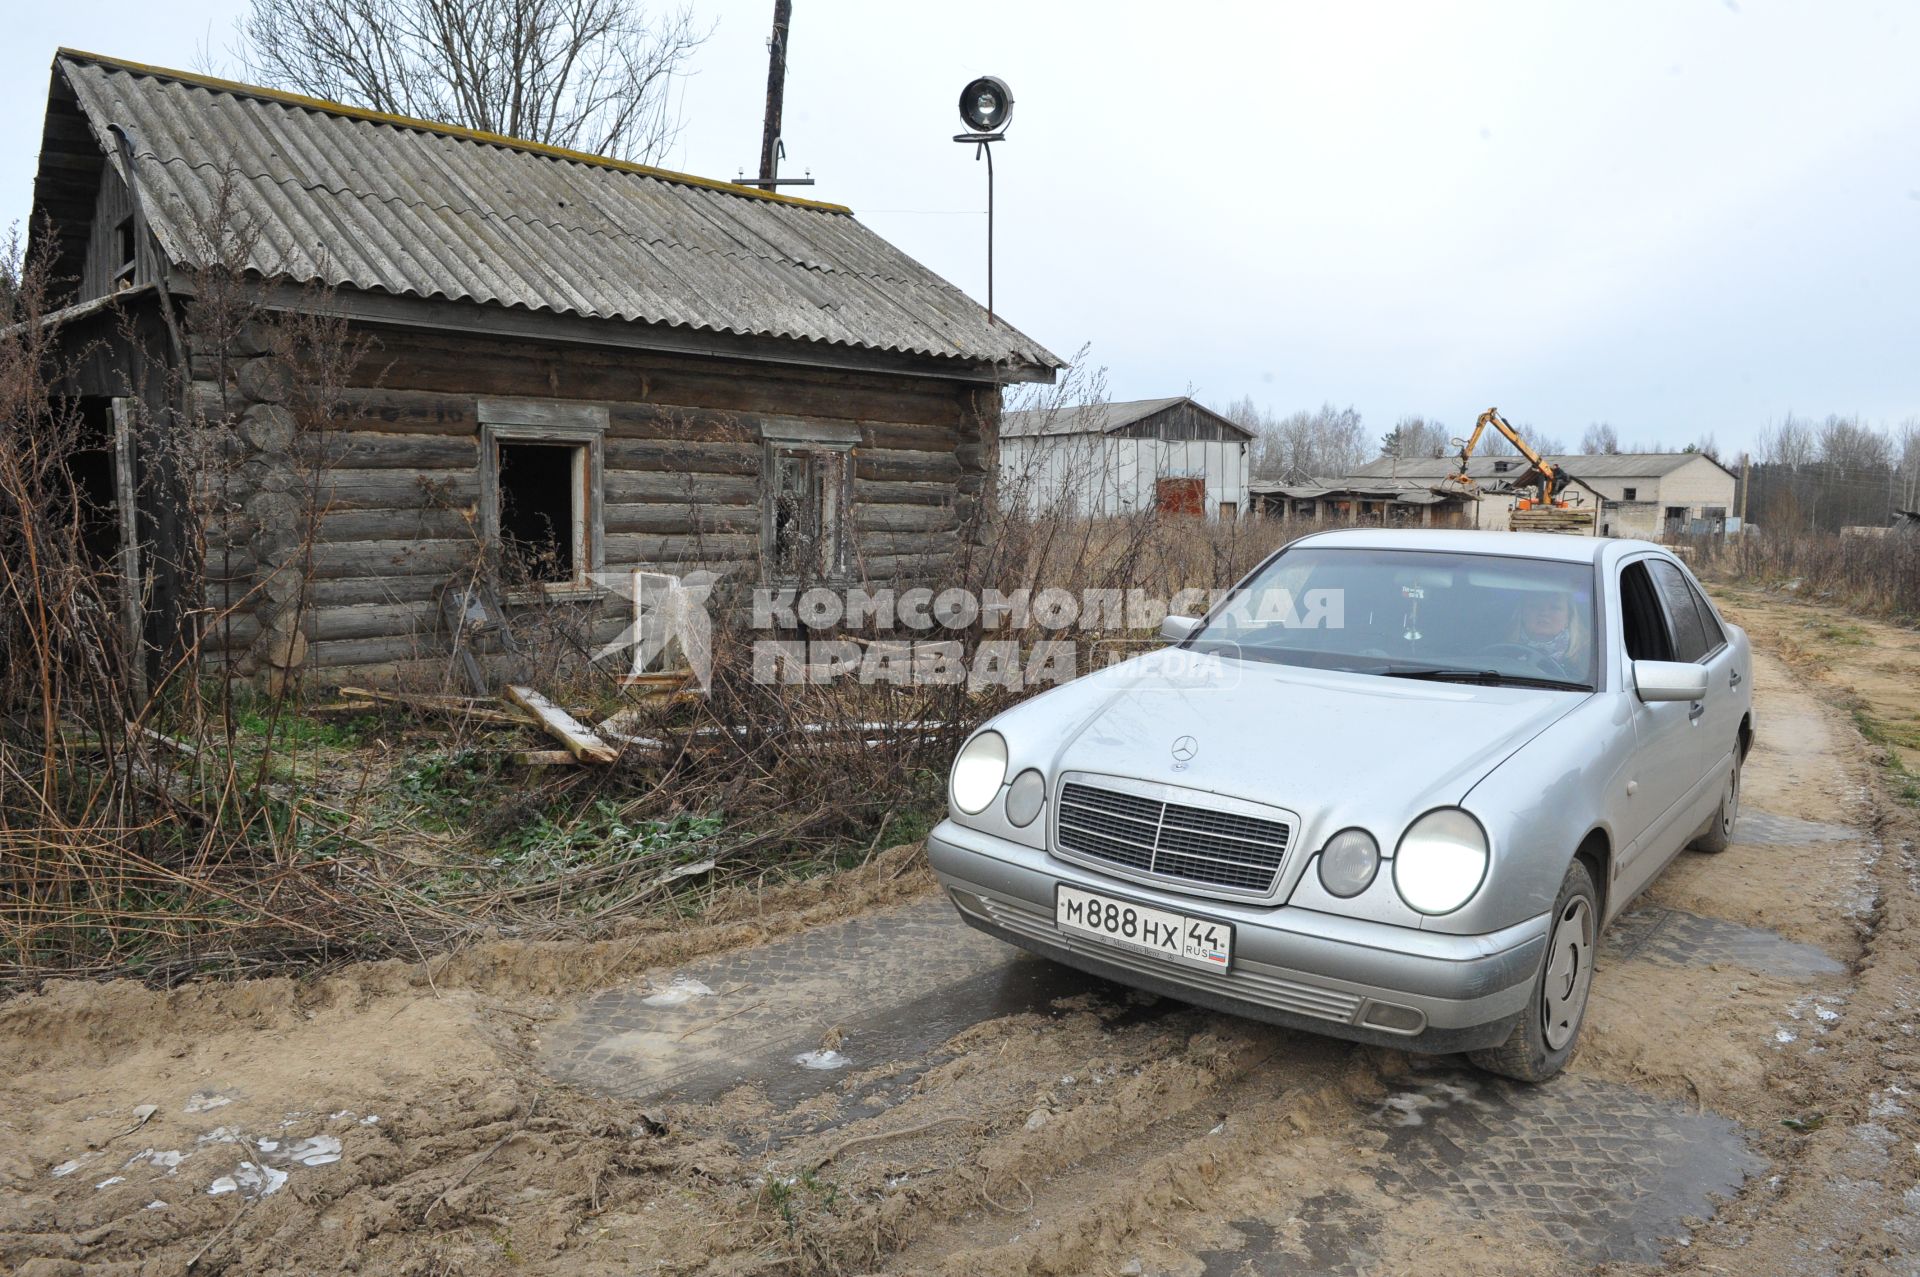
(978, 771)
(1348, 863)
(1441, 861)
(1025, 796)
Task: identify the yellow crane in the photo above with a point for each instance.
(1550, 477)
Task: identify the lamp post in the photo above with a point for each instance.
(986, 107)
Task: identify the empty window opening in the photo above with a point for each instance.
(806, 513)
(123, 251)
(91, 481)
(542, 503)
(1630, 494)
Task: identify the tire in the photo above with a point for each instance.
(1719, 835)
(1548, 1029)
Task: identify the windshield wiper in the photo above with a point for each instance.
(1483, 678)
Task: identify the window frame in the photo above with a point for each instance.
(582, 426)
(833, 444)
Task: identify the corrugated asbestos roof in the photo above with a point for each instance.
(1618, 465)
(355, 199)
(1094, 419)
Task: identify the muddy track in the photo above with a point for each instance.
(844, 1080)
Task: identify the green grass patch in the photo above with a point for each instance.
(1903, 783)
(1839, 633)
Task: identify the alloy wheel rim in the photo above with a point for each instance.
(1563, 993)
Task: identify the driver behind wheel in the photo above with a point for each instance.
(1546, 624)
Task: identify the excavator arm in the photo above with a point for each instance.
(1549, 476)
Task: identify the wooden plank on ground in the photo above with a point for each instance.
(562, 726)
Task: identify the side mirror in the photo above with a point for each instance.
(1670, 681)
(1176, 629)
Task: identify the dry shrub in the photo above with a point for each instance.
(1874, 575)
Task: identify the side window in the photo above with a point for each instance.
(1689, 640)
(1709, 624)
(1641, 623)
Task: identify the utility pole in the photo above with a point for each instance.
(1746, 482)
(770, 147)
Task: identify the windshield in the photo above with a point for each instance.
(1414, 614)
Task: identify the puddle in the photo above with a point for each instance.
(1772, 830)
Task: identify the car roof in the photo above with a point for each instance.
(1526, 545)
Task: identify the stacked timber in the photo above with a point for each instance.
(1573, 522)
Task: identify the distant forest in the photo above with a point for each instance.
(1805, 475)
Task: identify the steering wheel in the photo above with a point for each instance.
(1546, 664)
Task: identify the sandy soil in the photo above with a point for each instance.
(406, 1108)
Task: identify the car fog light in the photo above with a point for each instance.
(1025, 797)
(1394, 1019)
(1348, 863)
(1441, 861)
(978, 771)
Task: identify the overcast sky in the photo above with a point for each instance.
(1680, 216)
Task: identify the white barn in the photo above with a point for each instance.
(1171, 455)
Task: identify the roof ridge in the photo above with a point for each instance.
(458, 132)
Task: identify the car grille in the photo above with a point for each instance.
(1171, 840)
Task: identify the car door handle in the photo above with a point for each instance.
(1698, 709)
(1733, 680)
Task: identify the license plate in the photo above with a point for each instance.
(1178, 936)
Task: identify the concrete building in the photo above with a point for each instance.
(1657, 495)
(1653, 495)
(1171, 455)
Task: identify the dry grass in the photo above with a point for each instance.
(1875, 576)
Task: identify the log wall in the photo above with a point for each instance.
(347, 524)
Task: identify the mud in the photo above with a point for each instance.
(1742, 1100)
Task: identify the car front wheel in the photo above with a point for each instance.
(1544, 1036)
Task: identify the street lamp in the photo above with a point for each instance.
(986, 107)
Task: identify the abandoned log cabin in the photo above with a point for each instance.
(562, 365)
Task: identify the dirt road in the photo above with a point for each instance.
(839, 1078)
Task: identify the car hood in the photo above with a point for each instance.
(1332, 747)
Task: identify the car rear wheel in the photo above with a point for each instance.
(1719, 835)
(1544, 1036)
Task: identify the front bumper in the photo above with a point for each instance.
(1345, 977)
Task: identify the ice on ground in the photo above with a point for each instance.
(821, 1060)
(371, 1119)
(220, 1135)
(67, 1168)
(679, 991)
(203, 1101)
(248, 1178)
(110, 1181)
(156, 1204)
(315, 1150)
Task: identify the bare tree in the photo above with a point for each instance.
(1600, 439)
(592, 75)
(1415, 437)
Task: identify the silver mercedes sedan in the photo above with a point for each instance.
(1391, 788)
